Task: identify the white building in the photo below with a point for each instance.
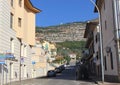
(109, 12)
(12, 39)
(8, 43)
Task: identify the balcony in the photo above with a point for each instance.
(90, 39)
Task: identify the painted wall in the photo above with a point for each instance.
(6, 33)
(108, 36)
(40, 66)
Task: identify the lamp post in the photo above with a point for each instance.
(101, 43)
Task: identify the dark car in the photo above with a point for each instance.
(62, 67)
(77, 71)
(51, 73)
(58, 70)
(81, 72)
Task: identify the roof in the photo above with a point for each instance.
(90, 26)
(29, 5)
(99, 4)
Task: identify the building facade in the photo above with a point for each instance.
(22, 17)
(91, 58)
(39, 61)
(50, 49)
(17, 36)
(110, 38)
(53, 50)
(8, 43)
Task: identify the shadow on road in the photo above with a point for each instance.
(67, 74)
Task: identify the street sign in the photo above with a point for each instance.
(9, 55)
(33, 62)
(2, 61)
(22, 60)
(2, 58)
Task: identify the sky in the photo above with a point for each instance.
(56, 12)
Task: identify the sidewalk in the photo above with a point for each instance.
(97, 81)
(108, 83)
(23, 82)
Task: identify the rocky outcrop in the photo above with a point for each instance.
(65, 32)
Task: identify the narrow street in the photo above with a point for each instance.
(67, 77)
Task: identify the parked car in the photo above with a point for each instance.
(58, 70)
(51, 73)
(62, 67)
(81, 72)
(78, 72)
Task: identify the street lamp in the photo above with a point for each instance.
(101, 43)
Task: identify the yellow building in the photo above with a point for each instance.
(20, 38)
(39, 61)
(23, 20)
(46, 46)
(51, 49)
(42, 55)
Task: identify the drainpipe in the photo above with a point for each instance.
(20, 61)
(116, 25)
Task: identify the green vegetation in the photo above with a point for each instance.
(71, 44)
(65, 48)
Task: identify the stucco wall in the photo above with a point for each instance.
(6, 33)
(108, 36)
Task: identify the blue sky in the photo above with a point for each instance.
(55, 12)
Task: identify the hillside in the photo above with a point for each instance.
(60, 33)
(68, 47)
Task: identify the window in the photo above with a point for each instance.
(12, 3)
(111, 59)
(11, 20)
(25, 71)
(96, 38)
(12, 45)
(104, 4)
(105, 63)
(97, 56)
(11, 71)
(46, 46)
(25, 51)
(105, 24)
(19, 22)
(20, 3)
(22, 50)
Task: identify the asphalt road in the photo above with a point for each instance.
(67, 77)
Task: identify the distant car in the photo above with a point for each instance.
(58, 70)
(51, 73)
(78, 72)
(62, 67)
